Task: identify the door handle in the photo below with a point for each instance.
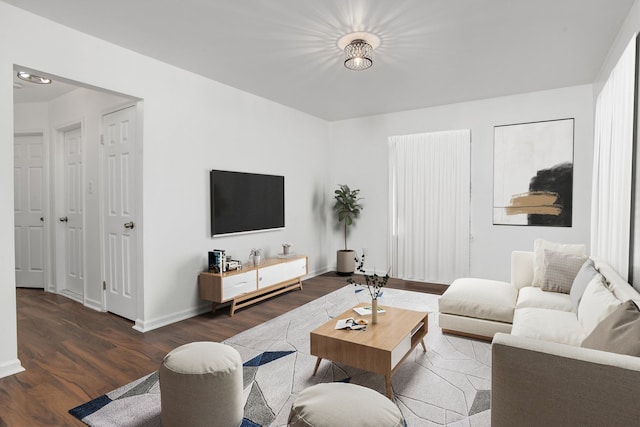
(129, 225)
(64, 219)
(41, 219)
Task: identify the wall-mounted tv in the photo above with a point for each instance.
(243, 202)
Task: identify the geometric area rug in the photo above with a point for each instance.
(449, 385)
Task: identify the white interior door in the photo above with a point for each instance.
(119, 201)
(72, 217)
(29, 208)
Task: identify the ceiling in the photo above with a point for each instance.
(432, 52)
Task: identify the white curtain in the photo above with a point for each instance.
(612, 164)
(430, 197)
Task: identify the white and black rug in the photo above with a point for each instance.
(449, 385)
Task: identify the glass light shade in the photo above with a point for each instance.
(357, 55)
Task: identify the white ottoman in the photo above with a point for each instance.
(201, 385)
(477, 307)
(342, 404)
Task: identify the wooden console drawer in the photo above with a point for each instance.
(270, 275)
(238, 284)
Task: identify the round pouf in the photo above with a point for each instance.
(343, 404)
(201, 385)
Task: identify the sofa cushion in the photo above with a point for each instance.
(597, 303)
(619, 286)
(619, 332)
(480, 298)
(537, 298)
(587, 272)
(548, 325)
(560, 269)
(539, 245)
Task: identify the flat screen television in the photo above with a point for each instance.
(243, 202)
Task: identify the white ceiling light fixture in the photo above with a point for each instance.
(358, 50)
(32, 78)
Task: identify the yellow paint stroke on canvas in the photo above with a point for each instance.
(534, 203)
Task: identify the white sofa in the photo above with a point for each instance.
(540, 374)
(481, 308)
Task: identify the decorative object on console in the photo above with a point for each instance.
(286, 248)
(347, 208)
(374, 284)
(533, 174)
(217, 259)
(255, 256)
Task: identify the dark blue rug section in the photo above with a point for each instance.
(98, 403)
(90, 407)
(266, 357)
(248, 423)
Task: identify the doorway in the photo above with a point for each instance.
(29, 209)
(119, 195)
(69, 236)
(73, 228)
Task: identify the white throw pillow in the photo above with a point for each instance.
(539, 245)
(597, 304)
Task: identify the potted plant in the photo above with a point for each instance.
(347, 209)
(374, 284)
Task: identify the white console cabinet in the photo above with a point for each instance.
(255, 283)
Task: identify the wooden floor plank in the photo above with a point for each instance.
(73, 354)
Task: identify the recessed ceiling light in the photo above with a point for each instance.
(32, 78)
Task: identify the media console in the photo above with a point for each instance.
(254, 283)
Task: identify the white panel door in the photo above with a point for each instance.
(29, 200)
(119, 217)
(72, 217)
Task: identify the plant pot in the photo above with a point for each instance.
(346, 260)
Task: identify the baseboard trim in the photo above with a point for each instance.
(149, 325)
(93, 304)
(10, 368)
(71, 295)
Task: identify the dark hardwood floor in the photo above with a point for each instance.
(73, 354)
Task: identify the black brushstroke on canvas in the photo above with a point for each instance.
(557, 179)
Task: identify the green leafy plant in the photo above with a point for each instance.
(374, 283)
(347, 207)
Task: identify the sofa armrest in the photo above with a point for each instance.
(521, 268)
(539, 383)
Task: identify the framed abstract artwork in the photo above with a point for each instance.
(533, 173)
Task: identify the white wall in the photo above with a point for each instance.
(31, 117)
(360, 147)
(190, 126)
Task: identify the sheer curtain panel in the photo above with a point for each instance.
(612, 164)
(429, 179)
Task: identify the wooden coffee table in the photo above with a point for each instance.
(379, 349)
